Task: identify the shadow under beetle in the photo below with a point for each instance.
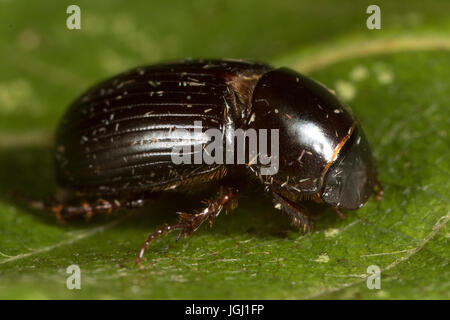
(113, 146)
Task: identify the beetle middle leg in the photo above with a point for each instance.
(298, 214)
(188, 223)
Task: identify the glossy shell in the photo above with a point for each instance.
(118, 136)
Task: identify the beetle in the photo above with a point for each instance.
(114, 145)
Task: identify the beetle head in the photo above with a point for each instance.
(351, 178)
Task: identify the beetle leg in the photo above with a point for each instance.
(338, 212)
(65, 211)
(299, 214)
(379, 191)
(87, 209)
(189, 223)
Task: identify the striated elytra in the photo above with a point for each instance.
(114, 146)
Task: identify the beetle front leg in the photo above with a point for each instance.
(379, 191)
(188, 223)
(298, 214)
(338, 213)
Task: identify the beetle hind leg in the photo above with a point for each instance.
(88, 209)
(189, 223)
(69, 210)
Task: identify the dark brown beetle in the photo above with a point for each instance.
(114, 144)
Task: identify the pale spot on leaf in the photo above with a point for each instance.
(345, 89)
(323, 258)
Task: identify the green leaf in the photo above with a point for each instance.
(396, 80)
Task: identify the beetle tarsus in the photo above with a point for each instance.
(68, 210)
(158, 233)
(40, 205)
(189, 223)
(87, 210)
